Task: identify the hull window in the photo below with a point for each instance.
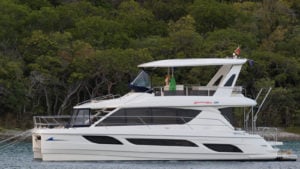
(162, 142)
(223, 148)
(102, 139)
(149, 116)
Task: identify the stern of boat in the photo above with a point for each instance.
(36, 145)
(286, 155)
(42, 123)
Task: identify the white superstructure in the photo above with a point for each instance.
(179, 122)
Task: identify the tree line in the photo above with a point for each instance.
(56, 53)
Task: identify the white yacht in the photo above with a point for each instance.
(173, 122)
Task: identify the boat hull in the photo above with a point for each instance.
(74, 147)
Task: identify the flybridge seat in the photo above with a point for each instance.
(192, 90)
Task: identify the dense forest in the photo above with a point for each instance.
(56, 53)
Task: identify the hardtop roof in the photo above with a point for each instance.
(193, 62)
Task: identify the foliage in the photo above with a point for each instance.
(211, 15)
(293, 130)
(55, 53)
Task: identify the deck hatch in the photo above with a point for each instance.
(223, 148)
(162, 142)
(102, 139)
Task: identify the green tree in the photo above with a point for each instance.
(184, 39)
(45, 19)
(289, 45)
(38, 44)
(118, 67)
(223, 42)
(13, 88)
(138, 22)
(12, 19)
(271, 15)
(211, 15)
(101, 33)
(35, 4)
(168, 10)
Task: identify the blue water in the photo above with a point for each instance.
(20, 156)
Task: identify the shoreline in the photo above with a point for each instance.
(287, 136)
(17, 134)
(281, 136)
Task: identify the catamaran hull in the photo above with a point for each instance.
(52, 147)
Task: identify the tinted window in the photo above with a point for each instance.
(102, 139)
(217, 82)
(141, 83)
(166, 116)
(162, 142)
(150, 116)
(139, 116)
(81, 118)
(223, 148)
(230, 80)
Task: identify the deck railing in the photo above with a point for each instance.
(51, 121)
(269, 133)
(148, 121)
(193, 90)
(105, 97)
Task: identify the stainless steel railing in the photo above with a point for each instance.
(269, 133)
(51, 121)
(193, 90)
(64, 121)
(109, 96)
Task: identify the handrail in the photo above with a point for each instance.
(41, 121)
(51, 121)
(105, 97)
(194, 90)
(182, 118)
(263, 93)
(269, 133)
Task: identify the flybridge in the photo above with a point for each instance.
(221, 84)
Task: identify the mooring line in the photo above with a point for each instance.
(18, 138)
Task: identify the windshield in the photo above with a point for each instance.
(86, 117)
(141, 83)
(81, 118)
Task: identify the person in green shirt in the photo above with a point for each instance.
(172, 86)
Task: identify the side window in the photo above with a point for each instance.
(165, 116)
(188, 115)
(116, 119)
(138, 116)
(230, 80)
(217, 82)
(223, 148)
(81, 117)
(149, 116)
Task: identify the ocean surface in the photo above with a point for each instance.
(20, 156)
